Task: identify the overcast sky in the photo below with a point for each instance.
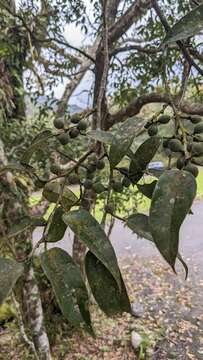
(75, 37)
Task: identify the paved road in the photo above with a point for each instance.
(126, 243)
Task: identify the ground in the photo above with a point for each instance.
(172, 322)
(171, 325)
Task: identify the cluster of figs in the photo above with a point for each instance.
(87, 174)
(188, 148)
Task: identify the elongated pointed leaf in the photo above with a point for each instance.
(100, 135)
(139, 224)
(52, 190)
(105, 289)
(190, 25)
(38, 143)
(57, 228)
(68, 286)
(171, 202)
(10, 271)
(142, 157)
(122, 141)
(89, 231)
(147, 189)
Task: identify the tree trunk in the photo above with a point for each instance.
(35, 316)
(29, 287)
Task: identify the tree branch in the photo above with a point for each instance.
(133, 14)
(181, 45)
(137, 104)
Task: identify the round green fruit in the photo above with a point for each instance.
(87, 184)
(197, 148)
(175, 145)
(59, 123)
(98, 187)
(75, 118)
(63, 138)
(153, 130)
(39, 183)
(100, 164)
(195, 119)
(198, 129)
(126, 182)
(91, 168)
(180, 163)
(55, 169)
(164, 119)
(73, 133)
(82, 126)
(109, 208)
(192, 169)
(117, 186)
(73, 179)
(165, 143)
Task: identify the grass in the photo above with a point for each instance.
(143, 206)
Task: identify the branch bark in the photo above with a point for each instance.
(135, 106)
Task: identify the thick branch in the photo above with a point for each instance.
(133, 14)
(137, 104)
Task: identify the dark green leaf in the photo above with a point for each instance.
(122, 141)
(171, 202)
(147, 189)
(68, 285)
(100, 135)
(52, 190)
(10, 271)
(139, 224)
(106, 292)
(190, 25)
(39, 143)
(89, 231)
(57, 228)
(142, 157)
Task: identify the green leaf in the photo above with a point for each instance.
(10, 271)
(106, 292)
(147, 189)
(53, 189)
(139, 224)
(100, 135)
(89, 231)
(68, 286)
(39, 143)
(142, 157)
(122, 141)
(189, 25)
(57, 228)
(171, 202)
